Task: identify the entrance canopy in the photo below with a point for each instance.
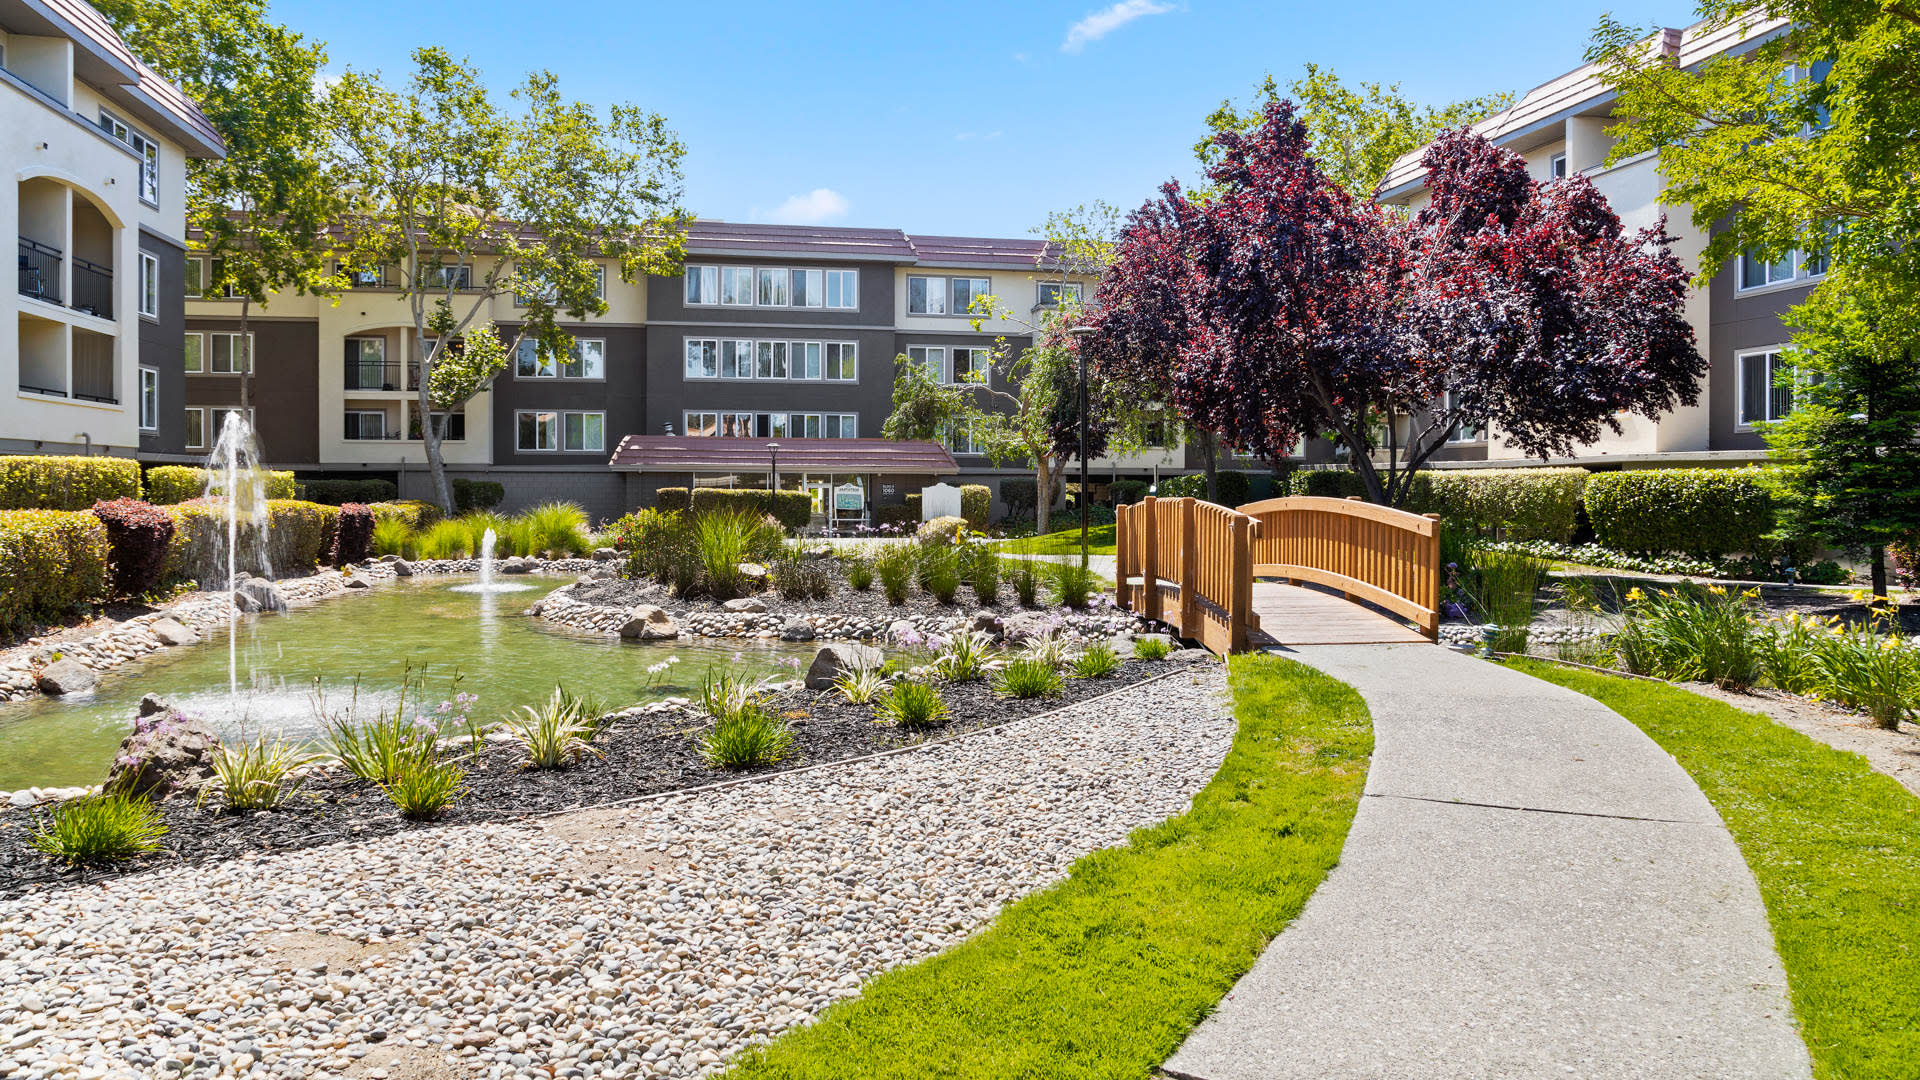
(696, 453)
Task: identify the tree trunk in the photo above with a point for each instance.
(1210, 461)
(430, 438)
(1879, 552)
(1042, 493)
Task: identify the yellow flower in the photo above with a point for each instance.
(1634, 594)
(1717, 590)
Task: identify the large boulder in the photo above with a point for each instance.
(67, 677)
(172, 632)
(837, 659)
(357, 582)
(259, 594)
(519, 565)
(167, 752)
(746, 605)
(606, 554)
(648, 623)
(1027, 625)
(401, 567)
(796, 629)
(755, 573)
(985, 622)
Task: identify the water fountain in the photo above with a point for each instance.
(236, 480)
(486, 584)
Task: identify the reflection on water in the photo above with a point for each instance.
(362, 644)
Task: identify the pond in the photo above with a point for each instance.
(364, 644)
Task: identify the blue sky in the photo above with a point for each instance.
(971, 118)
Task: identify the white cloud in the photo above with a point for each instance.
(816, 207)
(982, 136)
(1101, 23)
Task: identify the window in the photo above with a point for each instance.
(599, 282)
(736, 359)
(971, 365)
(537, 430)
(703, 358)
(1052, 291)
(1556, 168)
(216, 269)
(560, 430)
(364, 277)
(196, 429)
(192, 361)
(806, 359)
(144, 148)
(1766, 386)
(193, 278)
(227, 356)
(841, 426)
(931, 357)
(843, 362)
(365, 424)
(926, 296)
(968, 289)
(1464, 431)
(588, 360)
(809, 288)
(453, 430)
(1756, 273)
(729, 425)
(770, 360)
(736, 286)
(149, 286)
(773, 288)
(583, 430)
(843, 289)
(367, 365)
(1161, 431)
(149, 399)
(447, 277)
(533, 362)
(703, 285)
(961, 439)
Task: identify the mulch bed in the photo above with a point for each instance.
(642, 755)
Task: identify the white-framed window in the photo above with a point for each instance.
(933, 358)
(840, 426)
(372, 277)
(533, 362)
(149, 399)
(144, 148)
(196, 427)
(809, 288)
(1052, 291)
(711, 424)
(192, 353)
(193, 277)
(736, 359)
(365, 424)
(1766, 385)
(806, 360)
(1791, 266)
(583, 431)
(968, 289)
(149, 286)
(447, 277)
(962, 439)
(770, 360)
(703, 286)
(843, 290)
(226, 355)
(1464, 431)
(843, 361)
(599, 282)
(926, 295)
(1557, 167)
(773, 287)
(366, 359)
(736, 286)
(703, 358)
(586, 360)
(972, 364)
(554, 430)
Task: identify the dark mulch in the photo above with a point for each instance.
(642, 755)
(844, 600)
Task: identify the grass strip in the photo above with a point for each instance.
(1835, 847)
(1105, 974)
(1065, 542)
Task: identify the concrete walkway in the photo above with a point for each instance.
(1532, 888)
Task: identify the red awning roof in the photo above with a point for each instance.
(693, 453)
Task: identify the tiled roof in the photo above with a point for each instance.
(978, 250)
(821, 241)
(690, 453)
(1585, 85)
(172, 99)
(98, 37)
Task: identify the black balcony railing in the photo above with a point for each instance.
(39, 271)
(373, 375)
(92, 288)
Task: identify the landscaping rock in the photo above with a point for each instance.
(264, 595)
(746, 604)
(518, 565)
(755, 574)
(796, 629)
(358, 583)
(401, 567)
(21, 799)
(390, 558)
(171, 632)
(1026, 625)
(168, 752)
(902, 630)
(67, 677)
(985, 622)
(606, 554)
(833, 661)
(649, 623)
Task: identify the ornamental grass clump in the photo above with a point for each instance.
(445, 540)
(912, 705)
(725, 539)
(391, 536)
(896, 569)
(476, 525)
(860, 685)
(860, 573)
(963, 657)
(1024, 574)
(799, 576)
(1096, 661)
(1049, 648)
(1073, 584)
(747, 737)
(103, 828)
(554, 529)
(983, 573)
(1024, 678)
(556, 734)
(378, 749)
(1504, 584)
(940, 573)
(1870, 670)
(1151, 648)
(1692, 634)
(424, 783)
(256, 775)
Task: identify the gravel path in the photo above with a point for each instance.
(651, 940)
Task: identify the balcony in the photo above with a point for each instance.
(93, 367)
(373, 375)
(39, 271)
(92, 288)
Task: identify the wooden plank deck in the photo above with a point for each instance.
(1296, 615)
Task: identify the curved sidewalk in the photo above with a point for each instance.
(1531, 888)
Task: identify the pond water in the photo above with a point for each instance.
(364, 645)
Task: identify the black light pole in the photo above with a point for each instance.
(773, 479)
(1080, 334)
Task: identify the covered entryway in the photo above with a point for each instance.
(841, 475)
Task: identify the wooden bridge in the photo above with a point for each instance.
(1342, 571)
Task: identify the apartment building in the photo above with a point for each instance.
(1560, 129)
(772, 334)
(95, 147)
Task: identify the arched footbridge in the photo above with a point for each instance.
(1294, 571)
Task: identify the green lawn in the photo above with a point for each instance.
(1103, 975)
(1835, 847)
(1064, 542)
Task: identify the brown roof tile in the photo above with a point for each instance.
(690, 453)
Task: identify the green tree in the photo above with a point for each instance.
(479, 212)
(1357, 134)
(1852, 465)
(262, 211)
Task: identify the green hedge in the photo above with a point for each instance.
(1020, 493)
(66, 483)
(1236, 487)
(1704, 512)
(171, 484)
(976, 505)
(471, 495)
(340, 492)
(298, 533)
(1326, 484)
(413, 513)
(1126, 492)
(51, 561)
(792, 509)
(1510, 504)
(671, 500)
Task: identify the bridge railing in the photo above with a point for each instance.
(1374, 553)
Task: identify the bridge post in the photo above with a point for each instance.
(1121, 567)
(1150, 560)
(1430, 588)
(1189, 567)
(1240, 574)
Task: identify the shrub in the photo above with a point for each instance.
(339, 492)
(901, 514)
(556, 734)
(670, 499)
(912, 705)
(257, 775)
(425, 783)
(1020, 494)
(555, 530)
(1096, 661)
(724, 540)
(99, 829)
(1690, 633)
(1705, 512)
(137, 537)
(792, 509)
(444, 540)
(746, 737)
(941, 532)
(51, 561)
(1151, 648)
(860, 685)
(392, 538)
(1025, 677)
(170, 484)
(1236, 487)
(965, 655)
(983, 573)
(66, 483)
(659, 545)
(471, 495)
(860, 573)
(1073, 584)
(352, 534)
(801, 577)
(1877, 673)
(413, 513)
(976, 505)
(1905, 562)
(896, 569)
(1025, 575)
(1515, 504)
(1126, 492)
(940, 574)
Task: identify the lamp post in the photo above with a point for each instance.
(773, 466)
(1080, 335)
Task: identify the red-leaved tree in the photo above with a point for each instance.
(1286, 309)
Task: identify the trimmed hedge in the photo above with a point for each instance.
(66, 483)
(168, 485)
(673, 500)
(1236, 487)
(51, 561)
(340, 492)
(976, 505)
(298, 533)
(792, 509)
(897, 514)
(352, 535)
(413, 513)
(1020, 494)
(1511, 504)
(1127, 492)
(471, 495)
(1704, 512)
(137, 537)
(1326, 484)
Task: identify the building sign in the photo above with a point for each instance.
(849, 497)
(886, 489)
